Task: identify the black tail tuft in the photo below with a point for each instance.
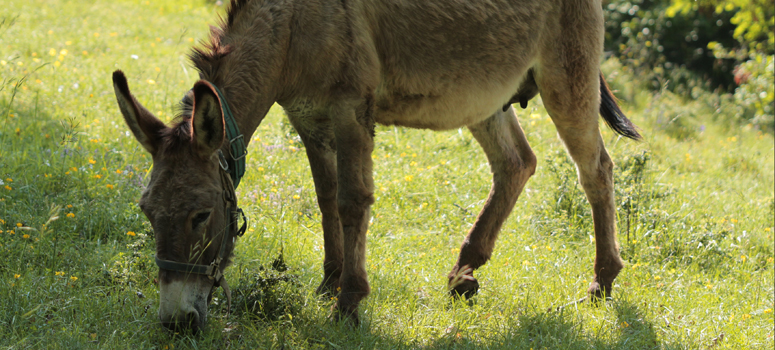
(613, 115)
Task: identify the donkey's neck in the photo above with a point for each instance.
(245, 58)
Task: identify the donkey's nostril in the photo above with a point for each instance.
(187, 322)
(192, 319)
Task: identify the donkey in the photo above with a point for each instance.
(338, 67)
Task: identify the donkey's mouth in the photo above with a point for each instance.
(191, 322)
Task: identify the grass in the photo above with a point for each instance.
(695, 199)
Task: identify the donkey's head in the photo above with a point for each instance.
(189, 201)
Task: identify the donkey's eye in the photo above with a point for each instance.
(199, 219)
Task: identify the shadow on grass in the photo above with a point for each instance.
(528, 328)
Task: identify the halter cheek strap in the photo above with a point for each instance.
(235, 163)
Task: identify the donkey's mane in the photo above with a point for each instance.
(206, 60)
(207, 57)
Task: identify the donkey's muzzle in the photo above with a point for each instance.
(183, 322)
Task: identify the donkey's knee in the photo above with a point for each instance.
(354, 204)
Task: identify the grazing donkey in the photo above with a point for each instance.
(340, 66)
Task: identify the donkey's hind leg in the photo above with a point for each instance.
(595, 171)
(512, 162)
(573, 102)
(568, 77)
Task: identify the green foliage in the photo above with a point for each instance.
(757, 89)
(754, 20)
(672, 51)
(689, 47)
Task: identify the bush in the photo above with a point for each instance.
(757, 79)
(692, 47)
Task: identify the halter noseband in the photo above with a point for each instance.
(231, 173)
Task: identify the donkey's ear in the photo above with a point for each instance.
(146, 128)
(208, 125)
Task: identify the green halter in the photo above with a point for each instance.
(235, 164)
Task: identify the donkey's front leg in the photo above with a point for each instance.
(512, 162)
(353, 130)
(318, 137)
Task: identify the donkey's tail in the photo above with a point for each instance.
(613, 115)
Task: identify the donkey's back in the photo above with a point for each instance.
(448, 64)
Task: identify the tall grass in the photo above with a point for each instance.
(695, 214)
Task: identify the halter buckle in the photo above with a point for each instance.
(240, 137)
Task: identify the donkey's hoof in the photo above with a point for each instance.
(597, 292)
(462, 282)
(348, 317)
(465, 289)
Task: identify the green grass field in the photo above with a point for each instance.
(696, 211)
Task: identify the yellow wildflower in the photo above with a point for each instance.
(16, 275)
(130, 233)
(73, 278)
(70, 215)
(59, 273)
(109, 186)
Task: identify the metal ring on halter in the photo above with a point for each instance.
(222, 161)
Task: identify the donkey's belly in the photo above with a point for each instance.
(451, 109)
